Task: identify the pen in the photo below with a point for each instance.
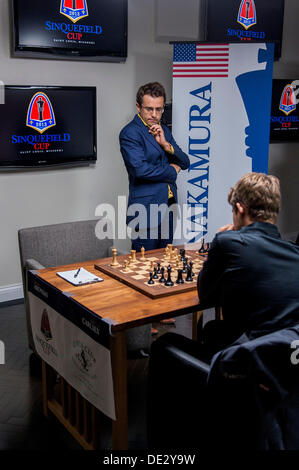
(75, 275)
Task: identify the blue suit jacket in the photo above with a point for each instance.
(148, 165)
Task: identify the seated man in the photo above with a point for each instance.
(250, 271)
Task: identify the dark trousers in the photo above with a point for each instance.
(154, 238)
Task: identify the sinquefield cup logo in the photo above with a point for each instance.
(288, 100)
(40, 114)
(74, 10)
(45, 325)
(247, 13)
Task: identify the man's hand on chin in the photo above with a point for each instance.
(227, 227)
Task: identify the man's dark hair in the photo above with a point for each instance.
(154, 89)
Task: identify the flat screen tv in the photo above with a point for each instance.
(42, 126)
(245, 20)
(71, 29)
(284, 123)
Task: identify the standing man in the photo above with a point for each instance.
(251, 272)
(153, 161)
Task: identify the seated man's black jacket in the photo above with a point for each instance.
(253, 274)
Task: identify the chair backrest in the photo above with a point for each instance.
(65, 243)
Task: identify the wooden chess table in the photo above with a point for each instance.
(118, 306)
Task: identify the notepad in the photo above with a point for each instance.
(79, 278)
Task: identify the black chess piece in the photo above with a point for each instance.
(202, 248)
(159, 268)
(191, 266)
(184, 270)
(180, 279)
(169, 281)
(155, 276)
(189, 277)
(151, 281)
(162, 278)
(182, 253)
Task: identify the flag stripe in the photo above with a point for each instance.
(195, 64)
(200, 60)
(201, 70)
(211, 55)
(195, 75)
(199, 49)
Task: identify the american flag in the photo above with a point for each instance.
(200, 60)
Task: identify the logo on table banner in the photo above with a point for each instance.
(288, 100)
(83, 356)
(45, 325)
(40, 114)
(247, 14)
(45, 329)
(74, 9)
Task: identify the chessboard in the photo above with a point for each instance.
(138, 269)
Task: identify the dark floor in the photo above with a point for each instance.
(22, 424)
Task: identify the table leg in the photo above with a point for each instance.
(196, 317)
(119, 370)
(48, 381)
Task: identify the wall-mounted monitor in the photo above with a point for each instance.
(94, 30)
(43, 126)
(284, 123)
(245, 20)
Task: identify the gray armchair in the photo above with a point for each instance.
(66, 243)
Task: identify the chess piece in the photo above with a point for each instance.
(114, 261)
(152, 266)
(151, 281)
(202, 248)
(130, 261)
(169, 281)
(162, 278)
(180, 279)
(155, 276)
(184, 270)
(133, 253)
(191, 267)
(125, 266)
(182, 253)
(159, 268)
(142, 258)
(189, 277)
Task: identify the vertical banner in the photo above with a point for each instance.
(221, 119)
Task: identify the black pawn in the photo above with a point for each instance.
(151, 281)
(189, 277)
(159, 269)
(169, 281)
(202, 248)
(162, 278)
(182, 253)
(180, 279)
(155, 276)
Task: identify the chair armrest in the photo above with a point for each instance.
(33, 264)
(176, 393)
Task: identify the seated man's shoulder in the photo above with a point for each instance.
(228, 235)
